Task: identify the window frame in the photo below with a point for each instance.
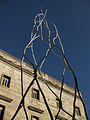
(57, 103)
(2, 111)
(35, 94)
(5, 80)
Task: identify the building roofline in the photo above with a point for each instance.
(53, 82)
(6, 53)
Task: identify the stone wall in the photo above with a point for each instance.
(10, 96)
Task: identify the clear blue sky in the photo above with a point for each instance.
(72, 18)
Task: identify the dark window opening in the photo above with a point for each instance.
(58, 103)
(35, 93)
(5, 80)
(77, 111)
(1, 112)
(34, 117)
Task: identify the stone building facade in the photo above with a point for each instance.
(10, 93)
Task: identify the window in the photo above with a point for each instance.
(35, 93)
(77, 111)
(5, 80)
(58, 103)
(1, 112)
(34, 117)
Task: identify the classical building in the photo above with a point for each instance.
(10, 93)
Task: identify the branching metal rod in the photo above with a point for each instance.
(48, 86)
(75, 80)
(45, 101)
(25, 112)
(23, 103)
(60, 100)
(68, 113)
(19, 107)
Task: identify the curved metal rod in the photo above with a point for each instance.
(45, 101)
(73, 75)
(21, 102)
(48, 85)
(76, 85)
(68, 113)
(60, 99)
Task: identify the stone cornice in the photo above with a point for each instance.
(30, 73)
(7, 99)
(35, 109)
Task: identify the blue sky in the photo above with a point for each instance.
(73, 22)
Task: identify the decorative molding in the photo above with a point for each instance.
(30, 73)
(35, 109)
(61, 118)
(2, 97)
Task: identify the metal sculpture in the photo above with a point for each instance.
(40, 22)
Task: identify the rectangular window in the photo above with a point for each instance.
(5, 80)
(34, 117)
(1, 112)
(57, 103)
(35, 93)
(77, 111)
